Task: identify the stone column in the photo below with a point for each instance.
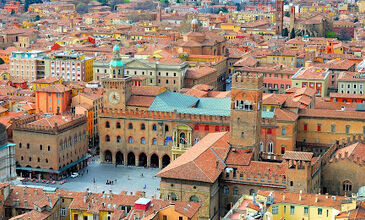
(148, 161)
(114, 158)
(136, 160)
(125, 159)
(160, 162)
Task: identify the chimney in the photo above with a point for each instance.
(36, 191)
(316, 198)
(24, 192)
(300, 195)
(326, 195)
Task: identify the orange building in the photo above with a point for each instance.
(53, 99)
(14, 6)
(5, 54)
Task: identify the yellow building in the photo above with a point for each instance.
(172, 211)
(252, 16)
(293, 206)
(312, 77)
(44, 82)
(231, 27)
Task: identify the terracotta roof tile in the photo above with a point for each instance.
(200, 162)
(297, 155)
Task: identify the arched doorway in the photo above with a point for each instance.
(131, 159)
(165, 160)
(182, 138)
(142, 160)
(154, 160)
(119, 159)
(108, 158)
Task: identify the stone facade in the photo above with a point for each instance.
(206, 194)
(246, 96)
(50, 150)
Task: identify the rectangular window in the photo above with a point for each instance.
(292, 210)
(283, 131)
(180, 218)
(275, 210)
(319, 127)
(319, 211)
(347, 129)
(305, 210)
(305, 127)
(63, 212)
(333, 127)
(284, 209)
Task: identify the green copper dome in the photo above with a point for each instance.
(116, 47)
(116, 63)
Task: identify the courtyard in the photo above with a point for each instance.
(128, 178)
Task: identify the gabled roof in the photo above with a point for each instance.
(203, 162)
(298, 155)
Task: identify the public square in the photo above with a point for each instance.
(128, 178)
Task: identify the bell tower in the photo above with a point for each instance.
(279, 14)
(246, 101)
(118, 87)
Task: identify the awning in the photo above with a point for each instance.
(30, 169)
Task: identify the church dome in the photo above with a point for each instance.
(116, 47)
(116, 63)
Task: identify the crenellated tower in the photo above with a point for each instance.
(279, 16)
(246, 96)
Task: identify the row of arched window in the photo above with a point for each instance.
(69, 142)
(131, 140)
(226, 190)
(30, 159)
(173, 197)
(130, 126)
(270, 147)
(207, 128)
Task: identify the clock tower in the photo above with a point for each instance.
(118, 87)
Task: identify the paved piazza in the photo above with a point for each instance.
(128, 178)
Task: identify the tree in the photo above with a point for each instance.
(146, 5)
(285, 32)
(330, 34)
(113, 3)
(292, 34)
(82, 8)
(224, 10)
(287, 14)
(12, 12)
(37, 18)
(1, 61)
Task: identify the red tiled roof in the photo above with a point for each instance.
(202, 162)
(311, 73)
(57, 88)
(141, 101)
(325, 113)
(297, 155)
(306, 199)
(147, 90)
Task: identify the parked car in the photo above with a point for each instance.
(74, 175)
